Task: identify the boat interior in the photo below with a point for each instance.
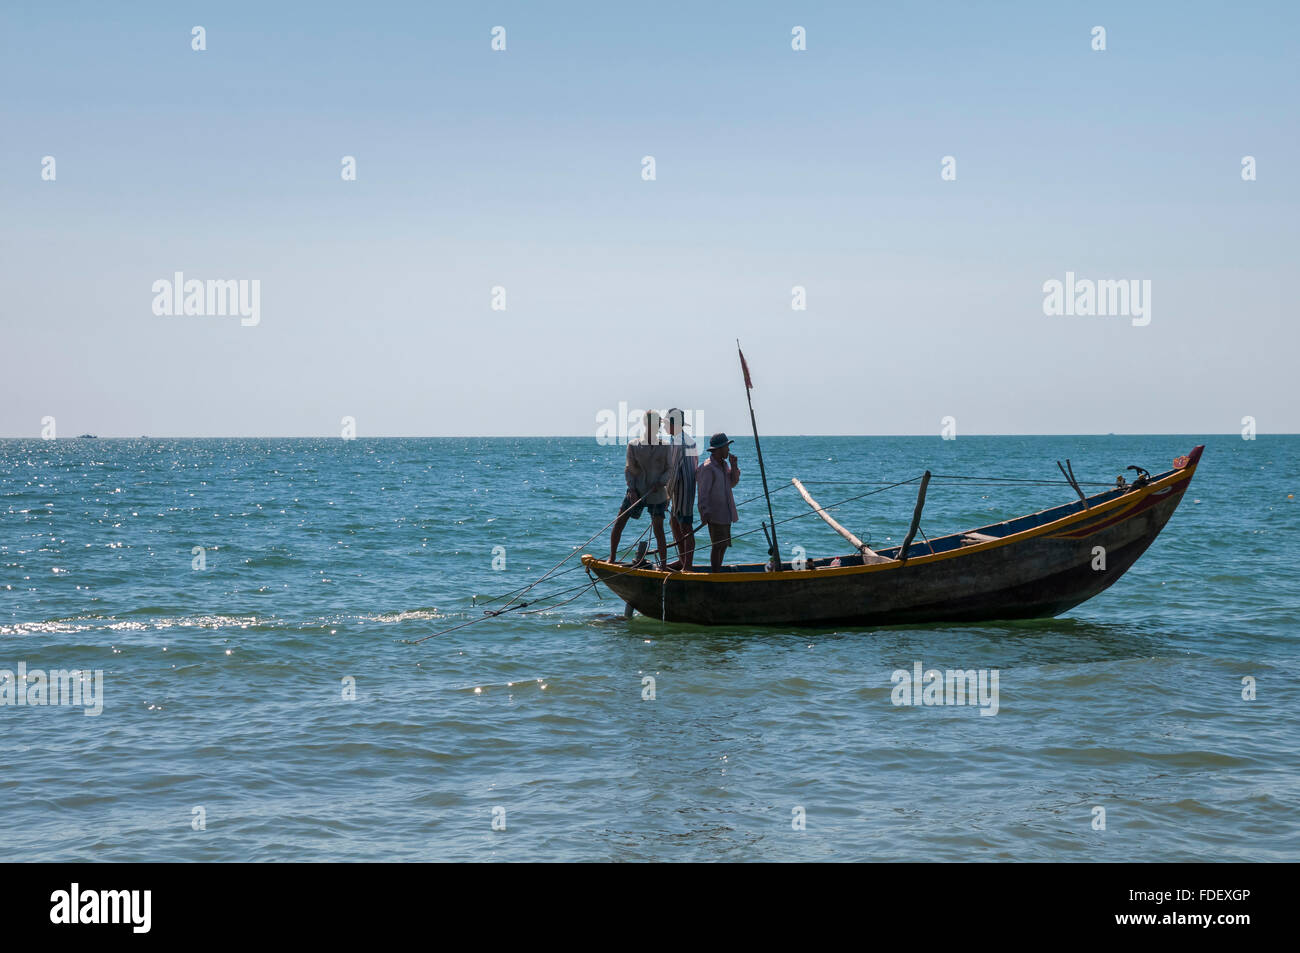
(943, 544)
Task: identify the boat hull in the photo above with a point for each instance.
(1039, 572)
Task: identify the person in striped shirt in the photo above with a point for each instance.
(681, 488)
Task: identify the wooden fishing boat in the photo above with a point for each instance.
(1033, 566)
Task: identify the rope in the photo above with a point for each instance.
(984, 481)
(955, 476)
(575, 549)
(829, 506)
(586, 585)
(515, 608)
(513, 605)
(673, 545)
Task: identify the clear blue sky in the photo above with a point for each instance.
(522, 169)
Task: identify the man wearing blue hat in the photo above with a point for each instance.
(715, 477)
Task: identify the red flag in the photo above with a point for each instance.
(749, 385)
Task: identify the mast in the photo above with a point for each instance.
(775, 551)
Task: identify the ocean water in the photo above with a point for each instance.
(225, 733)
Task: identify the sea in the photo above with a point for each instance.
(279, 650)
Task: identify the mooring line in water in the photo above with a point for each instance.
(593, 584)
(586, 585)
(583, 588)
(512, 606)
(626, 551)
(515, 608)
(522, 589)
(580, 589)
(575, 549)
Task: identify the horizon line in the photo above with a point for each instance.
(1116, 433)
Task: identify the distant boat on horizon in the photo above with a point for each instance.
(87, 436)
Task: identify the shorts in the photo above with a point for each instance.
(720, 534)
(656, 509)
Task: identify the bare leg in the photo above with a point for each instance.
(658, 523)
(616, 534)
(687, 548)
(681, 559)
(715, 556)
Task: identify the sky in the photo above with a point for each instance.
(522, 169)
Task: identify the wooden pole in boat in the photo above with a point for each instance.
(1076, 484)
(869, 555)
(1069, 478)
(916, 517)
(775, 550)
(830, 521)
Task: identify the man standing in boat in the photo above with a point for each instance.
(715, 477)
(683, 458)
(646, 472)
